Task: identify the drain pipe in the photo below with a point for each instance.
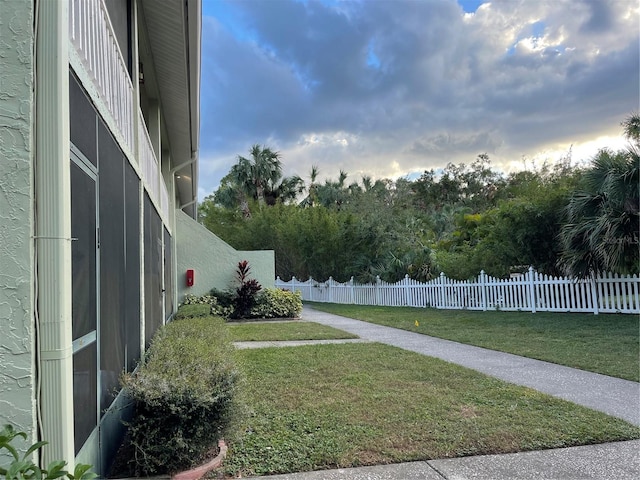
(194, 157)
(188, 204)
(53, 231)
(172, 172)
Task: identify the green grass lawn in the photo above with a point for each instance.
(293, 330)
(606, 343)
(319, 407)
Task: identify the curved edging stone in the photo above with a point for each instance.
(199, 472)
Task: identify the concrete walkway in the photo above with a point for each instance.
(610, 461)
(620, 398)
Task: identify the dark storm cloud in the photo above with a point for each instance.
(584, 98)
(601, 16)
(323, 47)
(393, 86)
(246, 93)
(447, 144)
(324, 52)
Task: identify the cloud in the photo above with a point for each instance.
(450, 144)
(388, 87)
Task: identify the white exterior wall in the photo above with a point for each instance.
(17, 389)
(17, 230)
(213, 260)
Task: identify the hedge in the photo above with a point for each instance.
(186, 394)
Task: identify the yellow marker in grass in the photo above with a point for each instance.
(417, 323)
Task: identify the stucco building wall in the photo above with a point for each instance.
(213, 260)
(17, 399)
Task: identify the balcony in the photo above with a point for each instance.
(94, 42)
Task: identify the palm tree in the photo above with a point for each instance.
(257, 178)
(632, 128)
(287, 190)
(341, 178)
(312, 197)
(259, 173)
(603, 228)
(231, 194)
(333, 193)
(366, 183)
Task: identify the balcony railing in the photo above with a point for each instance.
(151, 173)
(91, 33)
(95, 43)
(164, 200)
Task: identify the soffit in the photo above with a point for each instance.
(173, 31)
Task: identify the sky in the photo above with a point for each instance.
(391, 88)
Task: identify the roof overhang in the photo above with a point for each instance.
(174, 30)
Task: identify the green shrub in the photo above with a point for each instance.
(186, 394)
(193, 306)
(22, 467)
(276, 303)
(190, 299)
(248, 300)
(224, 298)
(192, 311)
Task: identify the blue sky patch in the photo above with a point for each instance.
(470, 6)
(372, 59)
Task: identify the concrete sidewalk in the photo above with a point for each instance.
(616, 397)
(614, 461)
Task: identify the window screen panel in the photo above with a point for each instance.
(84, 394)
(168, 275)
(112, 265)
(83, 252)
(132, 267)
(153, 269)
(82, 124)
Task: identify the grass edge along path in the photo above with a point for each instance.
(284, 331)
(607, 343)
(338, 406)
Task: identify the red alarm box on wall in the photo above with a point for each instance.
(190, 278)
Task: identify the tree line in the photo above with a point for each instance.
(562, 220)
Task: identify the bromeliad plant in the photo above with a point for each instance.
(22, 467)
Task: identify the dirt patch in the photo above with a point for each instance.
(468, 411)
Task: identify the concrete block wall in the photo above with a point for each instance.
(213, 260)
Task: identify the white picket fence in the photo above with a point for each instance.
(531, 292)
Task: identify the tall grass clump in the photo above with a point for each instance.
(186, 394)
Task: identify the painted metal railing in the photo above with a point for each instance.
(531, 292)
(151, 173)
(95, 43)
(92, 36)
(164, 199)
